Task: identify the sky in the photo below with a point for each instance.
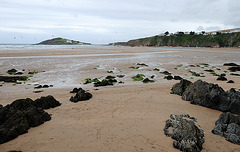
(105, 21)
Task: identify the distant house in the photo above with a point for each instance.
(225, 31)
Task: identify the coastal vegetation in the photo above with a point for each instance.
(191, 39)
(62, 41)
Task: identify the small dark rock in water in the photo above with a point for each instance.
(121, 82)
(234, 68)
(12, 71)
(110, 77)
(228, 126)
(45, 86)
(209, 70)
(38, 91)
(230, 81)
(179, 88)
(169, 77)
(235, 74)
(230, 64)
(18, 117)
(82, 95)
(18, 73)
(166, 73)
(46, 102)
(189, 138)
(221, 78)
(177, 78)
(75, 90)
(146, 80)
(38, 87)
(13, 78)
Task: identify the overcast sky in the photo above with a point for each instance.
(104, 21)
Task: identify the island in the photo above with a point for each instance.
(62, 41)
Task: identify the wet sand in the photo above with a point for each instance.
(123, 117)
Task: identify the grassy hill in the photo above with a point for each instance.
(62, 41)
(191, 39)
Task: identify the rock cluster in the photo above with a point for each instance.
(208, 95)
(81, 95)
(109, 80)
(13, 78)
(22, 114)
(182, 128)
(228, 126)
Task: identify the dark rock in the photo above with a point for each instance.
(235, 74)
(13, 78)
(166, 73)
(38, 91)
(230, 64)
(15, 151)
(209, 70)
(228, 126)
(221, 78)
(234, 68)
(207, 95)
(230, 81)
(46, 102)
(177, 78)
(82, 95)
(12, 71)
(76, 90)
(45, 86)
(188, 136)
(179, 88)
(110, 77)
(18, 117)
(38, 87)
(169, 77)
(146, 80)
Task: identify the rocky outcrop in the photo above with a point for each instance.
(182, 128)
(22, 114)
(209, 95)
(230, 64)
(81, 95)
(179, 88)
(228, 126)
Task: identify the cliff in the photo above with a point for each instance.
(62, 41)
(187, 40)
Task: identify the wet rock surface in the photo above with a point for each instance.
(81, 95)
(182, 128)
(209, 95)
(228, 126)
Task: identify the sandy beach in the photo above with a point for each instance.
(124, 117)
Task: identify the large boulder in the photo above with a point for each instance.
(182, 128)
(46, 102)
(81, 95)
(228, 126)
(207, 95)
(179, 88)
(18, 117)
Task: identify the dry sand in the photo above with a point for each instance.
(123, 117)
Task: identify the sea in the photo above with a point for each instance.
(37, 47)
